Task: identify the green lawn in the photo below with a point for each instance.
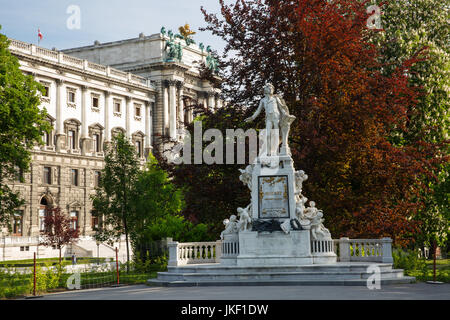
(442, 271)
(19, 285)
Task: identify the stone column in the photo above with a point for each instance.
(386, 249)
(127, 117)
(148, 128)
(211, 104)
(166, 106)
(108, 104)
(344, 249)
(218, 102)
(85, 140)
(173, 254)
(60, 103)
(180, 104)
(172, 111)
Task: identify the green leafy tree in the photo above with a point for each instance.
(408, 27)
(22, 124)
(154, 197)
(113, 199)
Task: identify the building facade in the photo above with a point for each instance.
(91, 93)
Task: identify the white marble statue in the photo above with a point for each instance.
(231, 226)
(314, 215)
(246, 176)
(245, 220)
(277, 117)
(300, 177)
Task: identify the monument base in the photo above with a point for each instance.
(274, 248)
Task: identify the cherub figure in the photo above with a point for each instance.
(245, 219)
(246, 176)
(231, 226)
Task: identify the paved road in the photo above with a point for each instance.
(416, 291)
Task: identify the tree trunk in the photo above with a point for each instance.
(126, 241)
(434, 261)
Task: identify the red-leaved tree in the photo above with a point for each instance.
(318, 55)
(58, 230)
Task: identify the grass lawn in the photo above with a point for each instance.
(18, 285)
(442, 271)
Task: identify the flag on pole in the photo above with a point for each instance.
(40, 36)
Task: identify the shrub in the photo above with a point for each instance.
(408, 260)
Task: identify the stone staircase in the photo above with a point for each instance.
(341, 273)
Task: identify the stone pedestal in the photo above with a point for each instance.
(274, 248)
(273, 188)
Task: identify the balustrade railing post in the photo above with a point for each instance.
(173, 254)
(344, 249)
(386, 250)
(218, 251)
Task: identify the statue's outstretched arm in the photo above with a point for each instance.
(257, 112)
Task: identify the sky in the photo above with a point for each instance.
(102, 20)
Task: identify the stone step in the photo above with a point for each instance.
(327, 282)
(215, 268)
(263, 276)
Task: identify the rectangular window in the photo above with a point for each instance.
(96, 141)
(74, 177)
(137, 110)
(41, 219)
(18, 175)
(17, 223)
(138, 147)
(97, 175)
(46, 138)
(94, 223)
(71, 96)
(73, 220)
(22, 248)
(47, 175)
(117, 106)
(46, 92)
(71, 139)
(46, 86)
(95, 103)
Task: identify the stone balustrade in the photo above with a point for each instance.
(73, 62)
(230, 248)
(19, 240)
(322, 246)
(348, 250)
(365, 250)
(194, 253)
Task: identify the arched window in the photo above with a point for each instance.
(138, 141)
(96, 133)
(44, 208)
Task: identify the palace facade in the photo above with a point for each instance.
(91, 93)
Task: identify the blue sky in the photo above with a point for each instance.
(102, 20)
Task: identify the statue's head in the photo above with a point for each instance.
(233, 218)
(269, 88)
(312, 204)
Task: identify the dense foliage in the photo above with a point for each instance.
(320, 56)
(22, 124)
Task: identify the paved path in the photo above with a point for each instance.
(416, 291)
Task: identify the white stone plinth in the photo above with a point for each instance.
(274, 248)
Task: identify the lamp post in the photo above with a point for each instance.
(98, 255)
